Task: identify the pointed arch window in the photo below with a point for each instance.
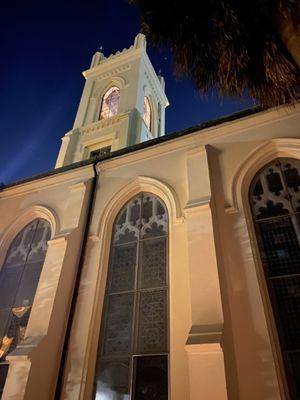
(275, 203)
(147, 113)
(19, 276)
(110, 103)
(132, 358)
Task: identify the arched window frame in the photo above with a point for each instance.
(106, 94)
(102, 248)
(288, 212)
(148, 113)
(21, 312)
(167, 246)
(238, 205)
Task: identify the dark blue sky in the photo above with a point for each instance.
(44, 47)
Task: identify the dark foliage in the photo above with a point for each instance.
(230, 45)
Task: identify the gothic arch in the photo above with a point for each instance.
(257, 159)
(153, 108)
(136, 185)
(113, 81)
(103, 238)
(100, 92)
(24, 218)
(138, 245)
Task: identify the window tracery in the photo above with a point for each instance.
(275, 203)
(110, 103)
(19, 278)
(134, 326)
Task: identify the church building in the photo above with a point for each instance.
(148, 266)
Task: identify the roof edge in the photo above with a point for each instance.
(170, 136)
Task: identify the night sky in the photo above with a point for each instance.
(44, 47)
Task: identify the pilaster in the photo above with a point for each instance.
(203, 346)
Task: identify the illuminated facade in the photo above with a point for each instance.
(154, 267)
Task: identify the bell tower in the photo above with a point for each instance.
(123, 103)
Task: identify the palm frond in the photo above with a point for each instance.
(230, 45)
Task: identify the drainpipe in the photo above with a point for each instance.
(59, 384)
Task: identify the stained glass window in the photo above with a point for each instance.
(110, 103)
(132, 360)
(147, 113)
(19, 276)
(275, 202)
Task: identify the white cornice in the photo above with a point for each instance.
(102, 123)
(115, 61)
(255, 120)
(113, 72)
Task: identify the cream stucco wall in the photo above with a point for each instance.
(218, 310)
(62, 200)
(253, 363)
(200, 169)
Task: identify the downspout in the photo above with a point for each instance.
(59, 383)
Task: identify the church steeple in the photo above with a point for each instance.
(123, 103)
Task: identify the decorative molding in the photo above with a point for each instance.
(154, 91)
(230, 210)
(127, 55)
(103, 123)
(133, 187)
(205, 334)
(203, 348)
(93, 143)
(78, 187)
(198, 205)
(258, 157)
(104, 61)
(58, 240)
(94, 238)
(113, 75)
(196, 151)
(154, 81)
